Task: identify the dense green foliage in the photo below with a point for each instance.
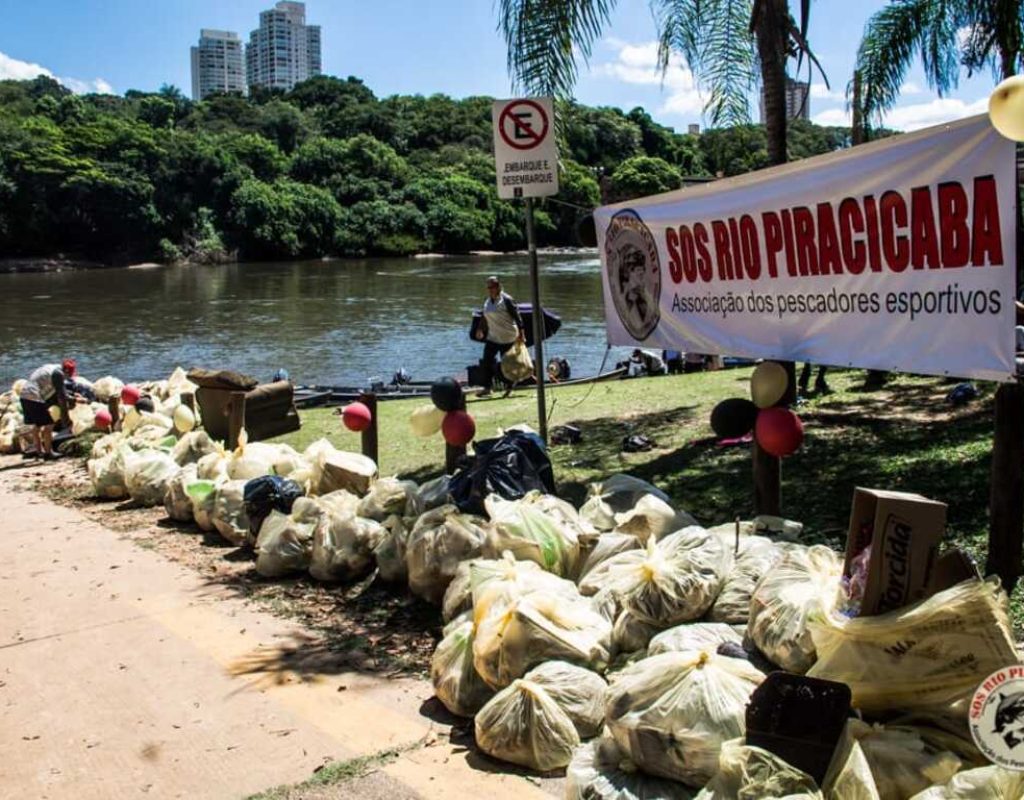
(326, 169)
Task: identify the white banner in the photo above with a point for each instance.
(896, 255)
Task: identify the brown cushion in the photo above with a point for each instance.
(222, 379)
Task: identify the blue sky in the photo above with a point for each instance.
(417, 47)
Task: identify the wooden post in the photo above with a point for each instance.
(236, 418)
(768, 468)
(188, 399)
(453, 454)
(1006, 498)
(114, 407)
(370, 435)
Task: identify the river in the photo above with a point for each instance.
(341, 322)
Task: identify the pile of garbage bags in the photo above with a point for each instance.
(621, 641)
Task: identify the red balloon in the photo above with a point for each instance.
(103, 419)
(778, 431)
(458, 428)
(130, 395)
(356, 417)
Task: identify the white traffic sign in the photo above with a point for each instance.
(525, 148)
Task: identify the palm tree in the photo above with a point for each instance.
(728, 44)
(949, 35)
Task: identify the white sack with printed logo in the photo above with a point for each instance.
(672, 712)
(930, 653)
(802, 586)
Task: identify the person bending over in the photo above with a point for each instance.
(44, 388)
(500, 328)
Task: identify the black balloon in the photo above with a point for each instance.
(733, 418)
(446, 394)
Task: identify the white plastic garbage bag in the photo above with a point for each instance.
(672, 712)
(497, 583)
(601, 770)
(333, 469)
(106, 474)
(390, 552)
(229, 516)
(107, 388)
(539, 626)
(343, 546)
(579, 692)
(929, 653)
(803, 585)
(83, 417)
(147, 475)
(192, 447)
(694, 636)
(285, 543)
(597, 550)
(902, 763)
(630, 633)
(671, 581)
(756, 556)
(440, 540)
(458, 597)
(983, 783)
(456, 683)
(251, 460)
(531, 534)
(177, 501)
(516, 364)
(389, 496)
(214, 465)
(523, 725)
(615, 495)
(651, 518)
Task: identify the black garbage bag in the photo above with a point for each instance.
(509, 467)
(269, 493)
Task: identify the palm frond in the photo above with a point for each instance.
(891, 38)
(544, 38)
(713, 37)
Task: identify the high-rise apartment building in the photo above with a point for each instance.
(217, 64)
(798, 100)
(284, 50)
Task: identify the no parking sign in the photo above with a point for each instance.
(525, 149)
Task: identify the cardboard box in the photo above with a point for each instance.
(904, 532)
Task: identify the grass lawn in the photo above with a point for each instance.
(905, 437)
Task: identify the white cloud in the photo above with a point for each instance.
(834, 116)
(14, 69)
(941, 109)
(820, 91)
(910, 88)
(638, 64)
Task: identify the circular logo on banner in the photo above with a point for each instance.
(997, 717)
(634, 273)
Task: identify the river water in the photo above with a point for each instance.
(327, 322)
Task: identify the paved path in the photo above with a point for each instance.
(124, 675)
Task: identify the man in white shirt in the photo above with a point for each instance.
(500, 328)
(44, 388)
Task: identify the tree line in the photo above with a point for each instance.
(325, 169)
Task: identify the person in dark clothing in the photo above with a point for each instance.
(500, 328)
(820, 387)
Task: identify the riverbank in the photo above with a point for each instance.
(63, 264)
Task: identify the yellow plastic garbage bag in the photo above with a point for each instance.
(106, 473)
(579, 692)
(285, 543)
(177, 502)
(651, 518)
(440, 540)
(343, 545)
(756, 557)
(750, 773)
(672, 712)
(516, 364)
(539, 626)
(921, 655)
(192, 447)
(694, 636)
(389, 496)
(594, 551)
(531, 533)
(229, 516)
(601, 770)
(523, 725)
(456, 682)
(390, 552)
(497, 583)
(147, 476)
(803, 585)
(671, 581)
(983, 783)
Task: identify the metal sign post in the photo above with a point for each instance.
(538, 322)
(526, 159)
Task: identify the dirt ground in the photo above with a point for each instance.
(136, 646)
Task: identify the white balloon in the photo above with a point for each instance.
(1006, 108)
(184, 419)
